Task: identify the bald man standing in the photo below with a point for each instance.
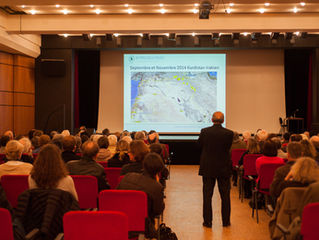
(215, 164)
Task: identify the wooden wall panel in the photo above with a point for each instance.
(23, 61)
(6, 77)
(6, 98)
(6, 58)
(24, 99)
(23, 79)
(23, 119)
(6, 118)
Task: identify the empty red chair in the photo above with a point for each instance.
(236, 155)
(104, 164)
(6, 232)
(310, 223)
(87, 190)
(101, 225)
(132, 203)
(112, 176)
(14, 185)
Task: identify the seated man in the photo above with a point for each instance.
(88, 166)
(69, 146)
(14, 165)
(294, 152)
(148, 183)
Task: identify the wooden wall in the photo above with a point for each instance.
(17, 95)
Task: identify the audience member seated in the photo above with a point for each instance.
(140, 136)
(27, 150)
(160, 149)
(124, 134)
(57, 140)
(14, 165)
(246, 136)
(128, 139)
(270, 155)
(78, 143)
(3, 142)
(30, 133)
(308, 150)
(121, 156)
(315, 141)
(295, 138)
(148, 182)
(280, 153)
(237, 142)
(153, 137)
(294, 152)
(35, 144)
(285, 141)
(88, 166)
(10, 134)
(252, 148)
(137, 151)
(261, 137)
(65, 133)
(106, 132)
(49, 171)
(104, 153)
(69, 146)
(112, 144)
(37, 133)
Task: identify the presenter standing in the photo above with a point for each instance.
(215, 164)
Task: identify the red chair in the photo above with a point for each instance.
(132, 203)
(13, 186)
(104, 164)
(120, 178)
(249, 171)
(310, 223)
(6, 231)
(87, 190)
(266, 175)
(112, 176)
(84, 225)
(236, 155)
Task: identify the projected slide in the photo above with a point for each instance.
(172, 92)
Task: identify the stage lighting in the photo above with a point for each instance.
(171, 36)
(204, 9)
(146, 36)
(87, 37)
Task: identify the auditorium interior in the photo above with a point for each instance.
(61, 67)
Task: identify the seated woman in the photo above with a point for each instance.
(308, 150)
(252, 148)
(112, 144)
(121, 156)
(148, 183)
(104, 153)
(49, 171)
(137, 151)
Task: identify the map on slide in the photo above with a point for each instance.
(181, 97)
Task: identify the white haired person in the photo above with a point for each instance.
(261, 137)
(14, 166)
(27, 150)
(112, 144)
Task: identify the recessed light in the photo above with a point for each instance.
(140, 34)
(115, 34)
(91, 6)
(167, 34)
(130, 11)
(23, 6)
(231, 4)
(195, 10)
(57, 5)
(295, 10)
(126, 5)
(297, 33)
(196, 4)
(161, 5)
(32, 11)
(98, 11)
(65, 35)
(302, 4)
(261, 10)
(91, 34)
(267, 4)
(229, 10)
(65, 11)
(245, 34)
(162, 10)
(193, 34)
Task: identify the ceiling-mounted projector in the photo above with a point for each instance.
(204, 9)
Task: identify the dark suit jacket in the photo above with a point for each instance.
(215, 143)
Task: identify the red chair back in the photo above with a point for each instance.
(112, 176)
(120, 178)
(236, 155)
(14, 185)
(83, 225)
(87, 190)
(249, 164)
(310, 223)
(6, 232)
(266, 174)
(104, 164)
(132, 203)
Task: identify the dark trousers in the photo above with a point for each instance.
(224, 191)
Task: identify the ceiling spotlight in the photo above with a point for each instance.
(297, 34)
(295, 10)
(162, 11)
(32, 11)
(146, 36)
(171, 36)
(267, 4)
(98, 11)
(195, 10)
(161, 5)
(23, 6)
(166, 34)
(302, 4)
(126, 5)
(245, 34)
(231, 4)
(87, 37)
(65, 11)
(204, 9)
(261, 10)
(115, 34)
(92, 35)
(228, 10)
(65, 35)
(196, 4)
(193, 34)
(130, 11)
(57, 5)
(91, 6)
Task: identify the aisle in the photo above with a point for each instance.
(183, 212)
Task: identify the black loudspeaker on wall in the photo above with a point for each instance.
(53, 67)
